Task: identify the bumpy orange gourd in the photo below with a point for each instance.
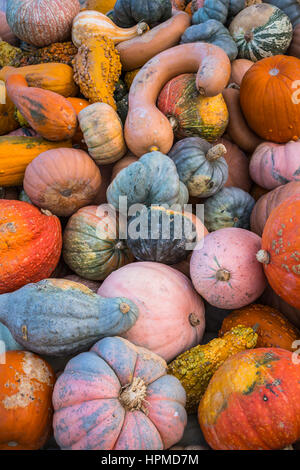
(272, 328)
(26, 386)
(48, 113)
(30, 244)
(280, 253)
(253, 402)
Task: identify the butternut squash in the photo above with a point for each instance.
(53, 77)
(146, 127)
(17, 152)
(238, 129)
(134, 53)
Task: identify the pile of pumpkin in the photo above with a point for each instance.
(117, 342)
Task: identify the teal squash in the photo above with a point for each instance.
(127, 13)
(213, 32)
(7, 340)
(153, 179)
(200, 165)
(261, 31)
(211, 10)
(290, 8)
(57, 317)
(161, 235)
(230, 207)
(91, 247)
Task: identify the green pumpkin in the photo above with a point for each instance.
(289, 7)
(161, 235)
(7, 339)
(211, 10)
(57, 317)
(213, 32)
(153, 179)
(200, 165)
(129, 12)
(261, 31)
(91, 247)
(230, 207)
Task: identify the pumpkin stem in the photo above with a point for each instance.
(154, 149)
(223, 275)
(217, 151)
(142, 28)
(124, 308)
(193, 319)
(263, 256)
(173, 121)
(46, 212)
(133, 395)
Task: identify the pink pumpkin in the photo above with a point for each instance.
(225, 270)
(171, 316)
(6, 33)
(118, 396)
(272, 165)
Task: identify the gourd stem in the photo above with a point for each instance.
(263, 256)
(217, 151)
(133, 395)
(193, 319)
(223, 275)
(173, 121)
(124, 308)
(142, 28)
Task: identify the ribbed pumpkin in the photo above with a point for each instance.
(272, 165)
(290, 7)
(62, 180)
(92, 24)
(24, 150)
(48, 113)
(261, 31)
(191, 114)
(157, 290)
(26, 387)
(280, 253)
(224, 269)
(268, 202)
(30, 244)
(91, 245)
(41, 22)
(253, 402)
(277, 120)
(118, 396)
(103, 133)
(52, 77)
(272, 328)
(128, 12)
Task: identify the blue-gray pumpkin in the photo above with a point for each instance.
(129, 12)
(58, 317)
(230, 207)
(213, 32)
(7, 340)
(261, 31)
(200, 165)
(211, 10)
(153, 179)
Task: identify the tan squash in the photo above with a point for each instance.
(238, 69)
(93, 24)
(17, 152)
(238, 129)
(136, 52)
(146, 127)
(103, 133)
(53, 77)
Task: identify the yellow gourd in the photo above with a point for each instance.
(195, 367)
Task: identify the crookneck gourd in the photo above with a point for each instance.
(195, 368)
(200, 165)
(97, 69)
(58, 317)
(153, 179)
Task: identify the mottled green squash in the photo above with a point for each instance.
(290, 8)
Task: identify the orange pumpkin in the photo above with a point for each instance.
(272, 328)
(48, 113)
(8, 122)
(78, 104)
(280, 253)
(26, 386)
(30, 244)
(269, 97)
